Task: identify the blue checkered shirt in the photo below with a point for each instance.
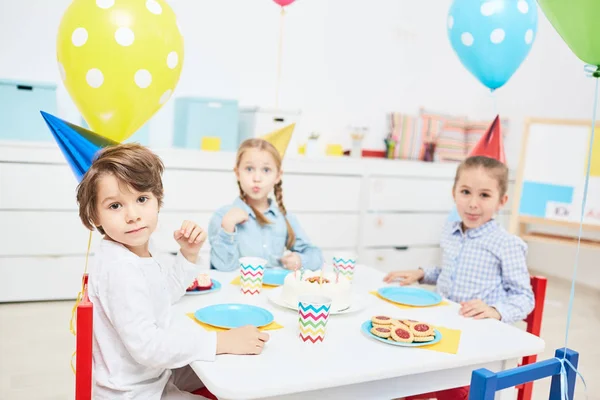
(485, 263)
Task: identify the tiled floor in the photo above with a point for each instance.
(36, 345)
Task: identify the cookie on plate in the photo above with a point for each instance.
(402, 334)
(422, 339)
(409, 322)
(421, 329)
(381, 331)
(381, 320)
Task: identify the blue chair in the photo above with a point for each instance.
(485, 383)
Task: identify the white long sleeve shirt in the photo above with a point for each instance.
(137, 340)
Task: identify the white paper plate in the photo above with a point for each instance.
(359, 302)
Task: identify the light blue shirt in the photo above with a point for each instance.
(485, 263)
(251, 239)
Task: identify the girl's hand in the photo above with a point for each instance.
(291, 261)
(233, 217)
(190, 238)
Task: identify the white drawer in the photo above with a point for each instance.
(331, 230)
(43, 233)
(410, 194)
(397, 230)
(390, 259)
(52, 278)
(321, 193)
(41, 278)
(199, 190)
(37, 187)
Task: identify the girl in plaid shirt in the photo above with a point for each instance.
(484, 267)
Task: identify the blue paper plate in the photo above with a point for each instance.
(366, 329)
(216, 285)
(275, 276)
(233, 315)
(410, 296)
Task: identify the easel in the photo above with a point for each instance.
(521, 224)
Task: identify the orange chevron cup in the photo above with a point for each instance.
(252, 270)
(313, 314)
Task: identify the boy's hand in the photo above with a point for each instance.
(232, 218)
(245, 340)
(478, 310)
(291, 261)
(190, 238)
(405, 277)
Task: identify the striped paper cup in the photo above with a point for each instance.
(252, 270)
(343, 265)
(313, 314)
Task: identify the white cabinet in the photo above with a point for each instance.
(390, 212)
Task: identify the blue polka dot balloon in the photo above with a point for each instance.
(492, 37)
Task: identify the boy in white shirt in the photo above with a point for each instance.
(141, 350)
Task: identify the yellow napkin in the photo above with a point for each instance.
(236, 281)
(271, 327)
(448, 344)
(374, 293)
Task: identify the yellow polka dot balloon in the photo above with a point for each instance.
(120, 60)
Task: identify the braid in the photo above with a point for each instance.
(260, 217)
(291, 236)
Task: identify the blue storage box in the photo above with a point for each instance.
(196, 118)
(20, 106)
(142, 136)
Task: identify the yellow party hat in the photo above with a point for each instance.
(281, 138)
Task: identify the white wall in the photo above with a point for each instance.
(345, 62)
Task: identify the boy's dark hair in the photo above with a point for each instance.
(498, 170)
(132, 164)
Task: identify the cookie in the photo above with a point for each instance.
(381, 326)
(424, 338)
(399, 322)
(402, 334)
(381, 332)
(421, 329)
(381, 320)
(409, 322)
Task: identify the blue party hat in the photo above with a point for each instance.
(78, 145)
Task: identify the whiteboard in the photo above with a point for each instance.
(552, 169)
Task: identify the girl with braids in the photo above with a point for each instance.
(256, 225)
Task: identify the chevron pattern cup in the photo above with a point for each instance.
(313, 314)
(343, 266)
(252, 270)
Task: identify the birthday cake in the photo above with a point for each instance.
(311, 282)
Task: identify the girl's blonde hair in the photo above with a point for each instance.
(263, 145)
(497, 169)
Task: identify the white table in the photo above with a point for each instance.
(350, 365)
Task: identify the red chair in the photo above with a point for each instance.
(84, 339)
(534, 326)
(206, 393)
(83, 354)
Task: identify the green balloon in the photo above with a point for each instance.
(576, 21)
